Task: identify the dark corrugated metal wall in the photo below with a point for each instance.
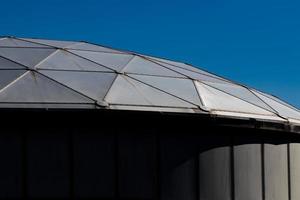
(147, 161)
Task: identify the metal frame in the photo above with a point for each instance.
(291, 126)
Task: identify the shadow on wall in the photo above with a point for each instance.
(228, 164)
(119, 156)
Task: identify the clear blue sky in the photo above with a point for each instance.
(254, 42)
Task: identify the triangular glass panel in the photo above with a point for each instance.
(26, 56)
(174, 63)
(182, 88)
(183, 66)
(215, 99)
(52, 43)
(92, 84)
(241, 93)
(282, 109)
(35, 88)
(91, 47)
(123, 92)
(8, 76)
(139, 65)
(63, 60)
(201, 76)
(7, 64)
(127, 91)
(276, 99)
(110, 60)
(10, 42)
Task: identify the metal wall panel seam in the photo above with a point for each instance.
(24, 163)
(116, 158)
(289, 171)
(232, 177)
(158, 166)
(263, 171)
(197, 175)
(71, 132)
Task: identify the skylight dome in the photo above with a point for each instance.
(37, 73)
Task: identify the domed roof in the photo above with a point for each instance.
(37, 73)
